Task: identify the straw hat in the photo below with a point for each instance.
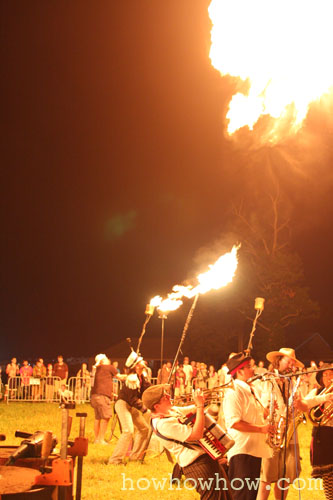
(284, 351)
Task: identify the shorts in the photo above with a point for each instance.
(272, 468)
(102, 406)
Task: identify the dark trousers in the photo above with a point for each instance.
(209, 478)
(244, 474)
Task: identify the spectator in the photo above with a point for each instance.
(164, 373)
(26, 374)
(116, 365)
(49, 380)
(60, 370)
(261, 368)
(212, 377)
(66, 396)
(83, 384)
(39, 373)
(188, 370)
(12, 371)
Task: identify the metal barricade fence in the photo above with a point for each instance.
(32, 389)
(80, 387)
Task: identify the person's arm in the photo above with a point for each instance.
(243, 426)
(199, 424)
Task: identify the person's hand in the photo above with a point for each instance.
(198, 398)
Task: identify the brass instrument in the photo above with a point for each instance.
(278, 440)
(322, 414)
(210, 395)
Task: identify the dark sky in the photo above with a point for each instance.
(116, 171)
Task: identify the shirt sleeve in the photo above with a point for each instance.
(233, 408)
(171, 428)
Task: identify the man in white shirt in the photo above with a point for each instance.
(245, 421)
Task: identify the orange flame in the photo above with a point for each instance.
(281, 50)
(219, 274)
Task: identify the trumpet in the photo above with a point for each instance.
(322, 414)
(210, 395)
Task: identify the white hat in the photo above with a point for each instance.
(132, 360)
(100, 358)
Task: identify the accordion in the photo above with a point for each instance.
(215, 440)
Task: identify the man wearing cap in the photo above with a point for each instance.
(322, 435)
(102, 395)
(245, 421)
(179, 438)
(284, 466)
(130, 410)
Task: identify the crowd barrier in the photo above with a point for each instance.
(51, 389)
(33, 389)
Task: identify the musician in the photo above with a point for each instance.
(177, 436)
(322, 435)
(245, 421)
(284, 466)
(130, 410)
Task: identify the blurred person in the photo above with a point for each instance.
(179, 382)
(202, 376)
(188, 370)
(82, 388)
(212, 380)
(260, 368)
(102, 395)
(12, 371)
(49, 383)
(38, 373)
(130, 410)
(322, 435)
(60, 370)
(66, 396)
(26, 374)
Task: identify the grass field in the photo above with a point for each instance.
(101, 481)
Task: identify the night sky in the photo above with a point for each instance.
(116, 170)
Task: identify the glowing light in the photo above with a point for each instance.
(218, 275)
(281, 50)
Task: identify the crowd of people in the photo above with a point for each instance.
(252, 406)
(260, 408)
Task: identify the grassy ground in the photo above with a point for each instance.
(101, 481)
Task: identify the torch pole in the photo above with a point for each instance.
(163, 317)
(182, 339)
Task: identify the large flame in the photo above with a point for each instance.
(218, 275)
(282, 49)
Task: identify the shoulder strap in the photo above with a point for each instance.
(183, 443)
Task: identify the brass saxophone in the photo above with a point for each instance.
(277, 440)
(322, 414)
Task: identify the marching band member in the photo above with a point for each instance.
(245, 421)
(322, 435)
(130, 409)
(284, 466)
(176, 437)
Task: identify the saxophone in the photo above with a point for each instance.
(277, 440)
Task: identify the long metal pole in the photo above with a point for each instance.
(187, 323)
